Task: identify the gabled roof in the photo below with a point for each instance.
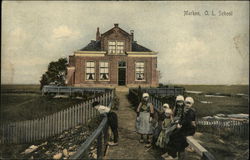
(96, 46)
(92, 46)
(111, 31)
(139, 48)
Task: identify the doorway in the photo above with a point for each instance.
(122, 73)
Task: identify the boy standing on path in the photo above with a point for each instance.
(112, 120)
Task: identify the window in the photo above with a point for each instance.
(139, 71)
(90, 70)
(122, 64)
(115, 47)
(104, 71)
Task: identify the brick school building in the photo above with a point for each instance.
(113, 59)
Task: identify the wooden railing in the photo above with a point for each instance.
(171, 91)
(199, 149)
(69, 90)
(42, 128)
(101, 134)
(191, 141)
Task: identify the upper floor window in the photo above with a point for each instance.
(139, 71)
(90, 70)
(115, 47)
(104, 71)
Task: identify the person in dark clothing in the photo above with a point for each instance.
(187, 123)
(112, 120)
(178, 108)
(185, 127)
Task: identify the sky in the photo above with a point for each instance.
(191, 49)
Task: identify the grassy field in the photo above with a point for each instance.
(20, 88)
(230, 104)
(25, 102)
(226, 89)
(225, 105)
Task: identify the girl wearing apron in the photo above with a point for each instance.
(144, 118)
(166, 124)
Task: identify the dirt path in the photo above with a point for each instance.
(129, 146)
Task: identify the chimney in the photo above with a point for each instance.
(116, 25)
(98, 36)
(132, 34)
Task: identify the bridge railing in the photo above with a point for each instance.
(191, 141)
(101, 134)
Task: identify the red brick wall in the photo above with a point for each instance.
(150, 70)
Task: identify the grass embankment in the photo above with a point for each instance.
(225, 147)
(70, 140)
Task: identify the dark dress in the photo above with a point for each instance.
(179, 109)
(177, 142)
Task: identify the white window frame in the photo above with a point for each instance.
(116, 47)
(144, 66)
(105, 67)
(90, 67)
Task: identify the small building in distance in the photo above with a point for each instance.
(113, 59)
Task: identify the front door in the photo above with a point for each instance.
(122, 73)
(122, 76)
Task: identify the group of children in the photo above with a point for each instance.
(169, 130)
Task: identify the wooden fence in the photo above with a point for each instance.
(69, 90)
(170, 91)
(222, 126)
(42, 128)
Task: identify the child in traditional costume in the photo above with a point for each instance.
(144, 118)
(166, 127)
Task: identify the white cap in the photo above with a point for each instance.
(179, 98)
(190, 100)
(145, 95)
(165, 105)
(168, 110)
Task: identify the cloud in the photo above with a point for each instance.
(63, 32)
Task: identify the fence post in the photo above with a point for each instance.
(38, 129)
(106, 99)
(84, 113)
(78, 113)
(15, 133)
(66, 119)
(50, 125)
(56, 123)
(87, 111)
(31, 130)
(99, 147)
(70, 117)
